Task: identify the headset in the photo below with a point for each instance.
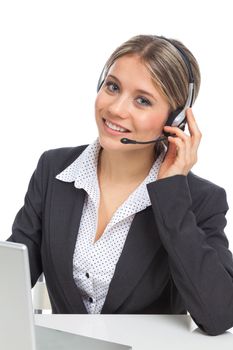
(176, 118)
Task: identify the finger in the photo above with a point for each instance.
(193, 128)
(185, 156)
(174, 130)
(195, 134)
(180, 148)
(180, 134)
(171, 152)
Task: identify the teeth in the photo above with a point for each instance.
(114, 127)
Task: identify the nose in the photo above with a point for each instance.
(120, 107)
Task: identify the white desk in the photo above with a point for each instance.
(142, 332)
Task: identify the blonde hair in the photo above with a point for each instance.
(168, 69)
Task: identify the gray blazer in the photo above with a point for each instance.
(175, 258)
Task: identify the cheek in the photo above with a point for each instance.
(101, 101)
(98, 107)
(153, 123)
(97, 102)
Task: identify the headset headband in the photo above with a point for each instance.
(184, 57)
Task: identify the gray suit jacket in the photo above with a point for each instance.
(175, 258)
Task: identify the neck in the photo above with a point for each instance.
(123, 167)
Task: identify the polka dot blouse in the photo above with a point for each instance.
(94, 263)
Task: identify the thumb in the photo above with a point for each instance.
(171, 153)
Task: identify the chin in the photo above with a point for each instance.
(111, 144)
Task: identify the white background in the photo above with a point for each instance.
(51, 55)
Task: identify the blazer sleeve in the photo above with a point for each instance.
(200, 263)
(27, 226)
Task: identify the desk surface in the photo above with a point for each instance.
(142, 332)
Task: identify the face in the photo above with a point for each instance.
(129, 105)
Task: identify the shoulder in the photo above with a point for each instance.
(201, 185)
(204, 191)
(195, 180)
(55, 160)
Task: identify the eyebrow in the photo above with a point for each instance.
(138, 90)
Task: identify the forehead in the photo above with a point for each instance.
(131, 66)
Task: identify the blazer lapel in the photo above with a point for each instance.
(141, 245)
(66, 210)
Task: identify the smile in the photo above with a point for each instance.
(114, 126)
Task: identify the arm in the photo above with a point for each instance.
(191, 227)
(27, 226)
(201, 264)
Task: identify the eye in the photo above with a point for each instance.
(111, 86)
(144, 101)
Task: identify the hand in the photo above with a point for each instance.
(182, 149)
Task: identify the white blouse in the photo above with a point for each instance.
(94, 263)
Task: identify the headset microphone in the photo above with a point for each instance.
(126, 141)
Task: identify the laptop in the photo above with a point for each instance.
(17, 328)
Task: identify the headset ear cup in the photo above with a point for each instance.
(171, 118)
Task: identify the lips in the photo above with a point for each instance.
(121, 126)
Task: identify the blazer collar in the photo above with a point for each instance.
(84, 169)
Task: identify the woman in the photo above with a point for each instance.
(128, 228)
